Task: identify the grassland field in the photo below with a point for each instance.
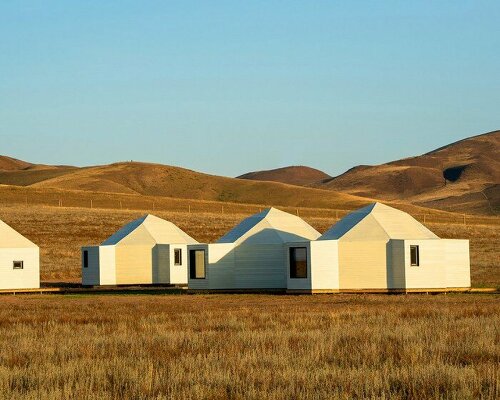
(180, 346)
(250, 346)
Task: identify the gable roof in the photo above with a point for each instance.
(378, 222)
(149, 229)
(10, 238)
(271, 226)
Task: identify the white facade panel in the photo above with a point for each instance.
(178, 274)
(431, 271)
(457, 263)
(221, 266)
(260, 266)
(26, 278)
(107, 265)
(325, 265)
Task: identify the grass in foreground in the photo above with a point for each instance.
(250, 346)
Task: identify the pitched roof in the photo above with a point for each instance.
(149, 229)
(271, 226)
(10, 238)
(378, 222)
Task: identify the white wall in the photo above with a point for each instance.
(457, 263)
(325, 265)
(178, 273)
(260, 266)
(26, 278)
(221, 267)
(107, 265)
(431, 273)
(101, 266)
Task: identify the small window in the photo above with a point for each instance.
(177, 256)
(18, 265)
(197, 264)
(298, 262)
(414, 256)
(85, 259)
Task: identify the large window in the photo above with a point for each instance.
(197, 264)
(85, 259)
(298, 262)
(18, 265)
(414, 256)
(177, 256)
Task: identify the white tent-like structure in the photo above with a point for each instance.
(250, 256)
(381, 248)
(19, 260)
(149, 250)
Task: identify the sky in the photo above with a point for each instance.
(227, 87)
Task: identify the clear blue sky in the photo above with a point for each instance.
(229, 87)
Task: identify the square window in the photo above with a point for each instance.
(18, 264)
(414, 256)
(298, 262)
(177, 256)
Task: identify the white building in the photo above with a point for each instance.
(253, 255)
(149, 250)
(19, 260)
(381, 248)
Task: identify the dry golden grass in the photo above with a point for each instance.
(249, 346)
(60, 232)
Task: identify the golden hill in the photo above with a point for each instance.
(168, 181)
(463, 176)
(294, 175)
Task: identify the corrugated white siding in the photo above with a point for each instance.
(363, 264)
(325, 265)
(457, 263)
(396, 265)
(26, 278)
(178, 273)
(431, 272)
(260, 266)
(221, 266)
(107, 265)
(161, 264)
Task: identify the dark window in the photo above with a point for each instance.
(18, 265)
(197, 264)
(414, 256)
(177, 256)
(298, 262)
(85, 259)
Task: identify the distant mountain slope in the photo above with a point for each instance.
(294, 175)
(22, 173)
(164, 180)
(12, 164)
(462, 176)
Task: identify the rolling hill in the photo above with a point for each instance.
(169, 181)
(22, 173)
(462, 176)
(294, 175)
